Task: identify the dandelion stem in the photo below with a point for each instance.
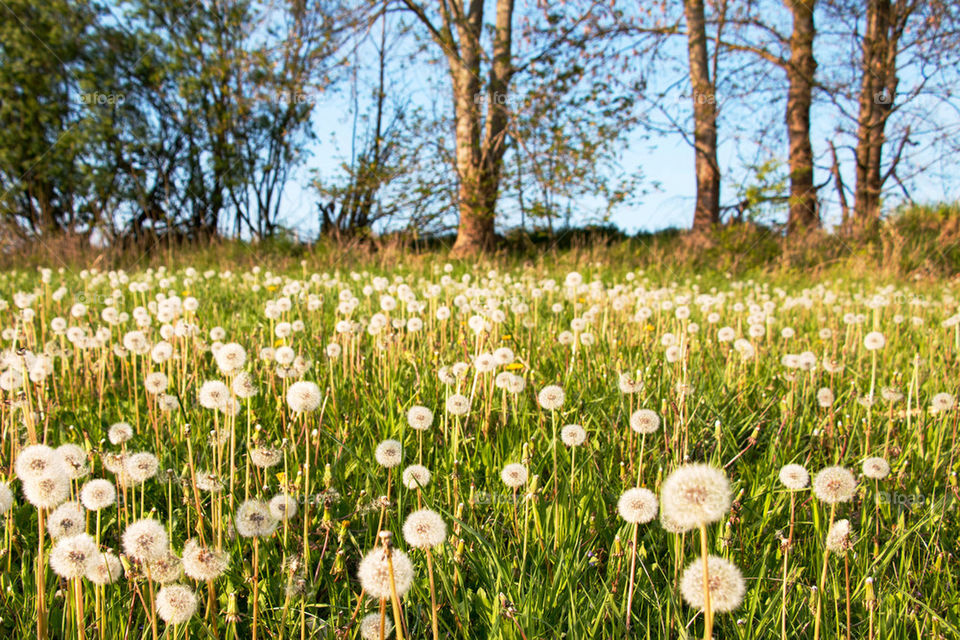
(707, 611)
(433, 597)
(633, 569)
(823, 579)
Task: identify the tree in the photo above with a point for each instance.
(707, 209)
(755, 31)
(897, 96)
(48, 112)
(801, 70)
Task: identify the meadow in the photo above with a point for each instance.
(476, 450)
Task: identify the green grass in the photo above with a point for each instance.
(748, 417)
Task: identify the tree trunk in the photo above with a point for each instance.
(707, 212)
(475, 232)
(877, 91)
(800, 74)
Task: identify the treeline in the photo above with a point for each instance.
(149, 119)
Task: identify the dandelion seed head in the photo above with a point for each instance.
(874, 341)
(48, 490)
(416, 476)
(145, 540)
(458, 405)
(73, 459)
(644, 421)
(104, 568)
(834, 484)
(942, 402)
(283, 507)
(165, 568)
(419, 418)
(71, 555)
(6, 498)
(303, 396)
(637, 505)
(573, 435)
(424, 529)
(840, 538)
(551, 397)
(876, 468)
(695, 494)
(794, 477)
(514, 475)
(176, 603)
(265, 457)
(66, 520)
(725, 583)
(370, 627)
(231, 357)
(374, 573)
(389, 454)
(203, 564)
(37, 461)
(254, 519)
(140, 467)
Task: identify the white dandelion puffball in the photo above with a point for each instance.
(840, 538)
(119, 433)
(155, 383)
(303, 396)
(573, 435)
(794, 477)
(73, 459)
(514, 475)
(71, 556)
(176, 603)
(6, 498)
(374, 573)
(166, 568)
(695, 495)
(283, 507)
(213, 394)
(416, 476)
(370, 627)
(104, 568)
(637, 505)
(38, 461)
(458, 405)
(203, 564)
(265, 457)
(145, 540)
(834, 484)
(825, 397)
(243, 385)
(942, 402)
(551, 397)
(644, 421)
(419, 418)
(66, 520)
(231, 357)
(724, 581)
(874, 341)
(141, 466)
(389, 454)
(254, 519)
(48, 490)
(424, 529)
(876, 468)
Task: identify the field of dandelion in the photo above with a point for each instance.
(221, 453)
